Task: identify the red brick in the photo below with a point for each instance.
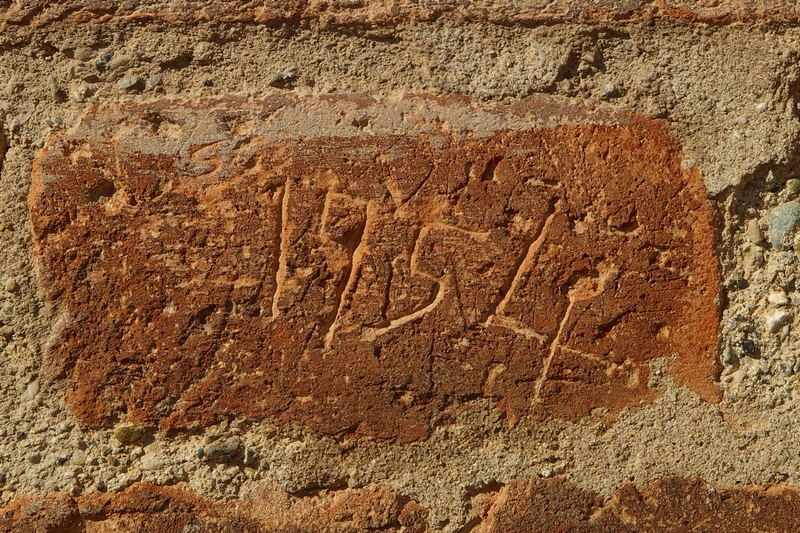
(671, 505)
(146, 508)
(365, 267)
(43, 12)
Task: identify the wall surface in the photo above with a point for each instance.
(412, 266)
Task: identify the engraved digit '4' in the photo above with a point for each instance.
(584, 289)
(496, 316)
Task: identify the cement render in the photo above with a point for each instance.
(728, 91)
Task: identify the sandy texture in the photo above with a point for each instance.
(39, 13)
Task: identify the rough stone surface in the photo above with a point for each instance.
(42, 12)
(203, 261)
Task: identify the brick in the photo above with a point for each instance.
(39, 13)
(670, 505)
(366, 267)
(152, 509)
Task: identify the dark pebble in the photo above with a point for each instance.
(102, 60)
(225, 451)
(786, 368)
(101, 486)
(748, 346)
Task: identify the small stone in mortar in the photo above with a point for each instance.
(102, 60)
(778, 299)
(131, 83)
(129, 434)
(754, 232)
(782, 220)
(32, 389)
(748, 346)
(776, 320)
(792, 187)
(226, 451)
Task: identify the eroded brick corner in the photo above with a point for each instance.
(365, 267)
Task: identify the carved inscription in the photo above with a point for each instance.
(202, 262)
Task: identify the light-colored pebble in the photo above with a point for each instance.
(32, 389)
(131, 83)
(83, 53)
(155, 80)
(753, 232)
(120, 63)
(607, 89)
(78, 458)
(778, 299)
(776, 320)
(151, 462)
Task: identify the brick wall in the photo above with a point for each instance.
(401, 266)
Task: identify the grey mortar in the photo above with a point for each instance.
(729, 93)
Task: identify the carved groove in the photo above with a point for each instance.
(283, 244)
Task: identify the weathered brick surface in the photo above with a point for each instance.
(671, 505)
(42, 12)
(365, 267)
(151, 509)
